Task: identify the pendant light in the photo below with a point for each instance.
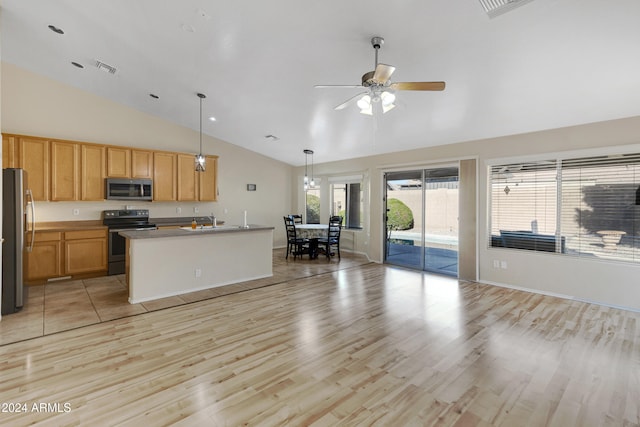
(200, 160)
(308, 183)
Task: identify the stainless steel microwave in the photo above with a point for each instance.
(128, 189)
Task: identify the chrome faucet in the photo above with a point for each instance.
(214, 221)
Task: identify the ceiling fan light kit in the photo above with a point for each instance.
(379, 89)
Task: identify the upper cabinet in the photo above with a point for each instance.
(164, 176)
(93, 171)
(187, 179)
(118, 162)
(197, 186)
(141, 164)
(207, 181)
(69, 171)
(33, 157)
(9, 151)
(123, 162)
(65, 171)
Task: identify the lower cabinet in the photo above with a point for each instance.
(45, 259)
(85, 251)
(66, 253)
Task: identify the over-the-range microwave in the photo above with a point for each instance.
(128, 189)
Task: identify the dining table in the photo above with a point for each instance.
(313, 232)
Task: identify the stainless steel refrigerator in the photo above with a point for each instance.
(18, 218)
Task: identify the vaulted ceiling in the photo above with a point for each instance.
(546, 64)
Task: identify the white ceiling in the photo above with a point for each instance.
(546, 64)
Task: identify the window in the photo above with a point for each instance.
(581, 206)
(346, 201)
(312, 205)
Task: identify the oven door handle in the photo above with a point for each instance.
(117, 230)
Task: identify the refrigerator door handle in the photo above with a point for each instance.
(32, 203)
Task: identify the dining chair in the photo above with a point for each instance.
(295, 245)
(333, 237)
(297, 218)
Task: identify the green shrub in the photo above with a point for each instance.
(399, 215)
(313, 209)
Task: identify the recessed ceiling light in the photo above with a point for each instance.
(76, 64)
(213, 119)
(154, 96)
(56, 29)
(271, 137)
(203, 14)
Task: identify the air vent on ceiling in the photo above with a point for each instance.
(498, 7)
(105, 67)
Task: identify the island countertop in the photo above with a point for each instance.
(169, 262)
(199, 231)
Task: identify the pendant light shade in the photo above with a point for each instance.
(200, 160)
(308, 183)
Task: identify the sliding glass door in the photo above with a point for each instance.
(421, 221)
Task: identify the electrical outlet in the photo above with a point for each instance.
(76, 211)
(226, 210)
(196, 210)
(496, 263)
(198, 272)
(503, 264)
(178, 209)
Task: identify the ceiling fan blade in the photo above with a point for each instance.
(417, 86)
(337, 86)
(383, 73)
(349, 101)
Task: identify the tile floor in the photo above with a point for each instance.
(60, 306)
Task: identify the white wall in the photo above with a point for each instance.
(607, 282)
(37, 106)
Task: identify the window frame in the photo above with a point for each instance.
(351, 201)
(604, 168)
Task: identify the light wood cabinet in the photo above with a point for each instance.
(9, 151)
(69, 171)
(141, 164)
(92, 172)
(187, 178)
(118, 162)
(197, 186)
(85, 251)
(164, 176)
(65, 171)
(33, 157)
(207, 181)
(66, 253)
(45, 260)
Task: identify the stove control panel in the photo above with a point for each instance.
(127, 213)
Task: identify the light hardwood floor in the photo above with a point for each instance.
(358, 344)
(64, 305)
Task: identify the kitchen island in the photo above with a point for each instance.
(164, 263)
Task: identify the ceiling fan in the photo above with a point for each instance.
(379, 89)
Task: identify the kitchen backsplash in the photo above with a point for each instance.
(84, 211)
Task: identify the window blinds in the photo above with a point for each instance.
(524, 197)
(587, 206)
(598, 210)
